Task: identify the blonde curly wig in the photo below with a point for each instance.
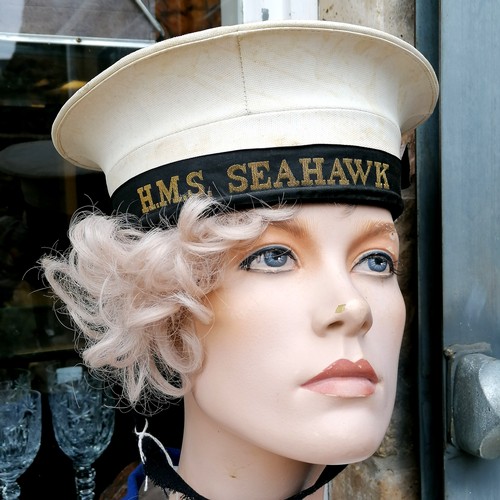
(133, 293)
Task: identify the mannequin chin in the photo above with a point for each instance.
(276, 391)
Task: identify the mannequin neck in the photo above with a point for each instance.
(218, 464)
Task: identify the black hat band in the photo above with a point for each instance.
(251, 178)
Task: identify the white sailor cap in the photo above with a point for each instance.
(307, 111)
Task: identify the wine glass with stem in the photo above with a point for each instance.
(20, 435)
(83, 421)
(15, 378)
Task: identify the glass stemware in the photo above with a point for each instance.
(15, 379)
(20, 435)
(83, 421)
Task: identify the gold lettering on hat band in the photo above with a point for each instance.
(256, 176)
(285, 174)
(307, 171)
(170, 194)
(242, 178)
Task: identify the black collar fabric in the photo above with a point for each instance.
(164, 476)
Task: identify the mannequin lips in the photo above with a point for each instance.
(345, 379)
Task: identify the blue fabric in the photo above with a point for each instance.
(137, 476)
(134, 481)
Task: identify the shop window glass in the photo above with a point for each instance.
(48, 50)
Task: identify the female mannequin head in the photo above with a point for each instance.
(275, 311)
(311, 291)
(249, 308)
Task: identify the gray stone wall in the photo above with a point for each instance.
(393, 472)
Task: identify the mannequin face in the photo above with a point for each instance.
(309, 296)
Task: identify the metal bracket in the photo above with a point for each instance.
(473, 399)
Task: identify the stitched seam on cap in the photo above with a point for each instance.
(242, 75)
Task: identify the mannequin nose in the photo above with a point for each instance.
(353, 317)
(341, 306)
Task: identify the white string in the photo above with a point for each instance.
(141, 435)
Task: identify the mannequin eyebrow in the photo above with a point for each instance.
(367, 230)
(293, 227)
(375, 228)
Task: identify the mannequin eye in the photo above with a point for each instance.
(376, 262)
(273, 259)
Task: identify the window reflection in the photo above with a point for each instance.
(49, 49)
(40, 190)
(122, 19)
